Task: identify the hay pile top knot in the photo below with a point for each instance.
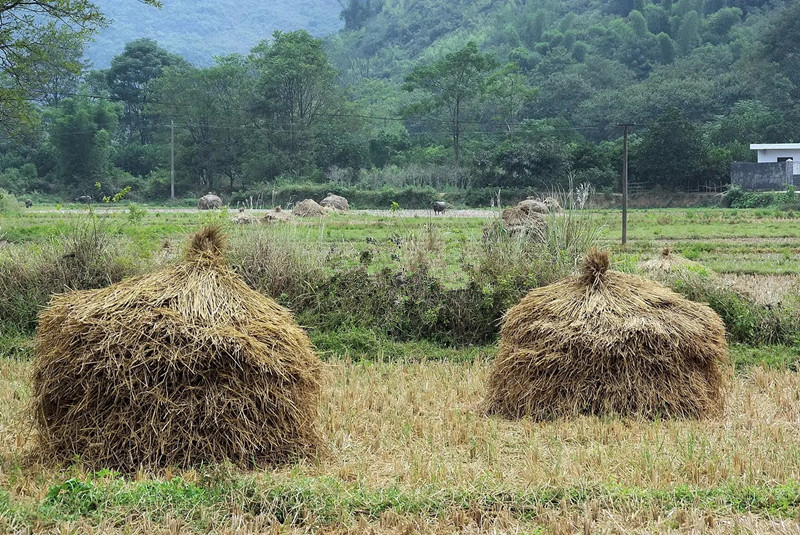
(183, 366)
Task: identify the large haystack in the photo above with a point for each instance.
(184, 366)
(309, 208)
(607, 342)
(533, 206)
(337, 202)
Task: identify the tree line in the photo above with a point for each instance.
(521, 106)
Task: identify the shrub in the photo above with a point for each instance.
(86, 257)
(8, 203)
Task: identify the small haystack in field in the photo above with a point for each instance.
(337, 202)
(533, 206)
(605, 342)
(277, 215)
(517, 221)
(244, 218)
(309, 208)
(209, 201)
(184, 366)
(669, 263)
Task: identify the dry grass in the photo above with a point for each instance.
(415, 427)
(766, 289)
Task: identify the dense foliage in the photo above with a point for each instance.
(445, 95)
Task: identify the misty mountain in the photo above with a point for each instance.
(198, 30)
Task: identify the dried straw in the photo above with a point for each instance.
(309, 208)
(180, 367)
(607, 342)
(337, 202)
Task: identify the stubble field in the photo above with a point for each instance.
(408, 450)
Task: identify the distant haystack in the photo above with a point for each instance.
(337, 202)
(244, 218)
(209, 201)
(533, 206)
(606, 342)
(277, 215)
(181, 367)
(669, 264)
(309, 208)
(553, 205)
(518, 221)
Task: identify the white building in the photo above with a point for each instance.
(778, 152)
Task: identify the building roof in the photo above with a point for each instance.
(775, 146)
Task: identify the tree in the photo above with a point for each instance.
(80, 133)
(689, 32)
(509, 90)
(451, 83)
(142, 61)
(31, 32)
(666, 48)
(295, 90)
(672, 152)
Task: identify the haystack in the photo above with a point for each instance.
(607, 342)
(337, 202)
(517, 221)
(180, 367)
(277, 215)
(209, 201)
(533, 206)
(669, 263)
(309, 208)
(553, 205)
(244, 218)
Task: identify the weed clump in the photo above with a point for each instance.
(180, 367)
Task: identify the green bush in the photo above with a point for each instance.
(87, 257)
(8, 203)
(746, 321)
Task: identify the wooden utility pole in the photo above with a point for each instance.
(625, 182)
(172, 159)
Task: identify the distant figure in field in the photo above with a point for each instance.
(84, 199)
(439, 207)
(28, 203)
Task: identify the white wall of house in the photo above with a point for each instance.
(771, 152)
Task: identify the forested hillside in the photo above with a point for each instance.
(198, 30)
(465, 97)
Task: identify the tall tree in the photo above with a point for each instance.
(142, 61)
(672, 153)
(30, 32)
(295, 90)
(80, 132)
(451, 83)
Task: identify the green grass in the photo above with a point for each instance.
(323, 501)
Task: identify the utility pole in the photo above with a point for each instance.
(172, 159)
(625, 182)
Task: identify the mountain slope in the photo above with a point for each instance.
(201, 29)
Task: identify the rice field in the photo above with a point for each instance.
(408, 450)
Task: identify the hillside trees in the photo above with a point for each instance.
(31, 35)
(451, 83)
(295, 92)
(81, 135)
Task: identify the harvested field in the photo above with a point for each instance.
(407, 437)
